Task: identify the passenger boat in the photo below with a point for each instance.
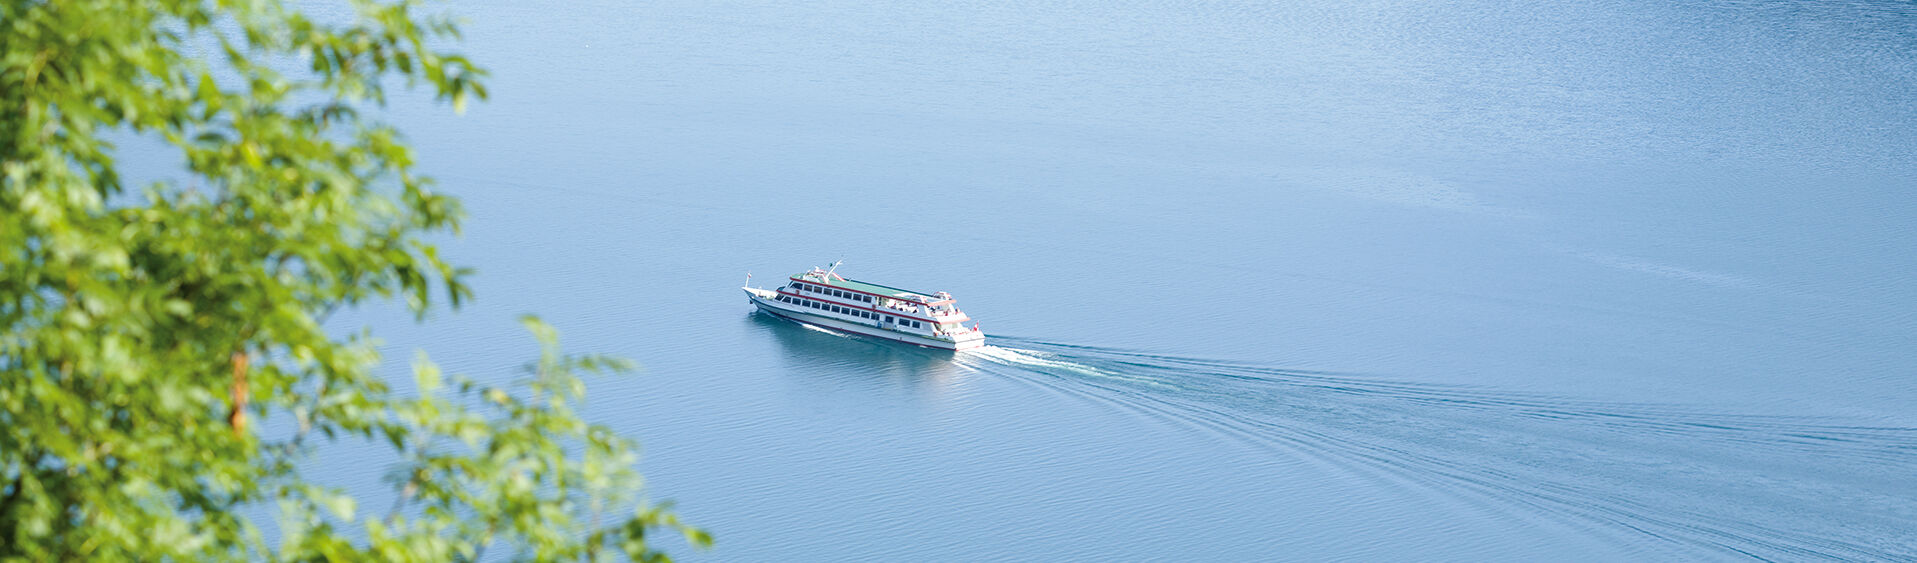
(823, 298)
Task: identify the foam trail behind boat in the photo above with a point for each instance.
(1714, 484)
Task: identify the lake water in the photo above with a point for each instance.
(1591, 280)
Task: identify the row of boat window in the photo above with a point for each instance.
(847, 311)
(833, 292)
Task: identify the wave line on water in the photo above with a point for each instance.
(1727, 483)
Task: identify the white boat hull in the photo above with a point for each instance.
(764, 299)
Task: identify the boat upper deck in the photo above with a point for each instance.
(856, 285)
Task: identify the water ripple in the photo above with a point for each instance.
(1719, 484)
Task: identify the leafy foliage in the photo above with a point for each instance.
(144, 326)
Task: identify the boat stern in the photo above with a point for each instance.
(968, 340)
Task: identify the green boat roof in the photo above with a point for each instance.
(856, 285)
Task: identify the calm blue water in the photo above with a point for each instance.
(1592, 280)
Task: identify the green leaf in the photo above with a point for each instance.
(425, 374)
(342, 506)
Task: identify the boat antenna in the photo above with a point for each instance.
(835, 267)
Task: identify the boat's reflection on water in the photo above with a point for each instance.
(860, 360)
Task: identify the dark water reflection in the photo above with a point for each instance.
(850, 360)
